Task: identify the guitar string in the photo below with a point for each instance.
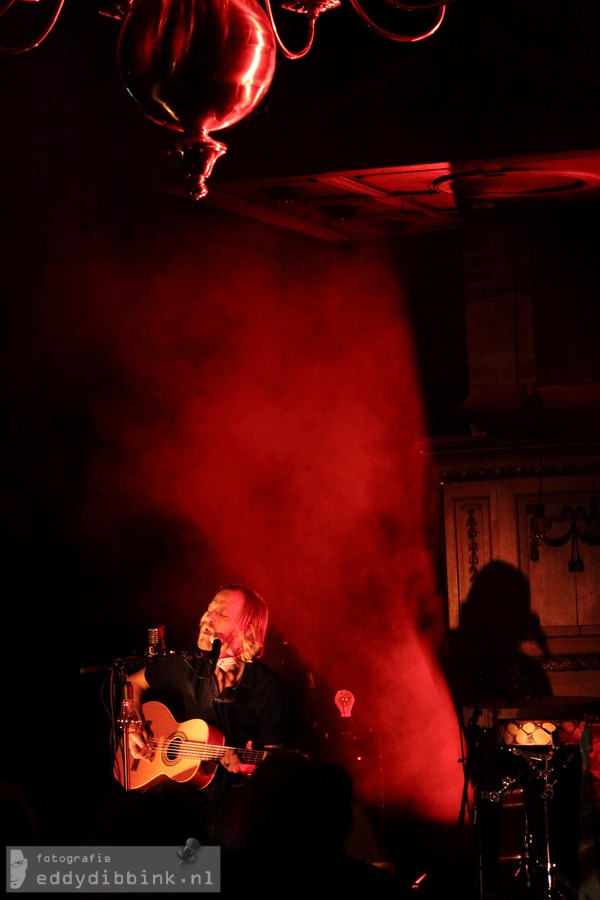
(196, 755)
(190, 750)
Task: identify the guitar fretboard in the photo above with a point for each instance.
(182, 749)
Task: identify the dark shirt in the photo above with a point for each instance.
(257, 709)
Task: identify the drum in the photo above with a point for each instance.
(552, 721)
(539, 732)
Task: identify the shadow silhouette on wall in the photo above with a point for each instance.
(522, 781)
(485, 659)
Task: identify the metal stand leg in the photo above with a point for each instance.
(554, 890)
(550, 879)
(542, 878)
(472, 775)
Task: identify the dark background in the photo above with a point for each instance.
(86, 192)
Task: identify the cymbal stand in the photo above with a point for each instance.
(547, 794)
(541, 763)
(472, 775)
(511, 783)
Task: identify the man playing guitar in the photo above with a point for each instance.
(243, 706)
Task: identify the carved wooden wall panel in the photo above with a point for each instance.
(492, 520)
(489, 519)
(470, 523)
(565, 579)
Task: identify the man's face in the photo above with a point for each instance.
(222, 617)
(18, 868)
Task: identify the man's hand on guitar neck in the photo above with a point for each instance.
(233, 763)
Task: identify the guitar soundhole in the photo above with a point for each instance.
(172, 750)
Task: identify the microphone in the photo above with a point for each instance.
(156, 641)
(216, 640)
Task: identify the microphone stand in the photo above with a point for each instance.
(129, 720)
(470, 762)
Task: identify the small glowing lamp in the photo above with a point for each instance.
(344, 700)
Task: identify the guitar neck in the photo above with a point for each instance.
(198, 751)
(250, 757)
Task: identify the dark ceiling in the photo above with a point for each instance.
(499, 110)
(364, 137)
(368, 203)
(497, 114)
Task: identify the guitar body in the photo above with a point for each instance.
(179, 751)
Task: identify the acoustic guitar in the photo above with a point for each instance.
(183, 751)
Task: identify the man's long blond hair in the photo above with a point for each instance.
(252, 621)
